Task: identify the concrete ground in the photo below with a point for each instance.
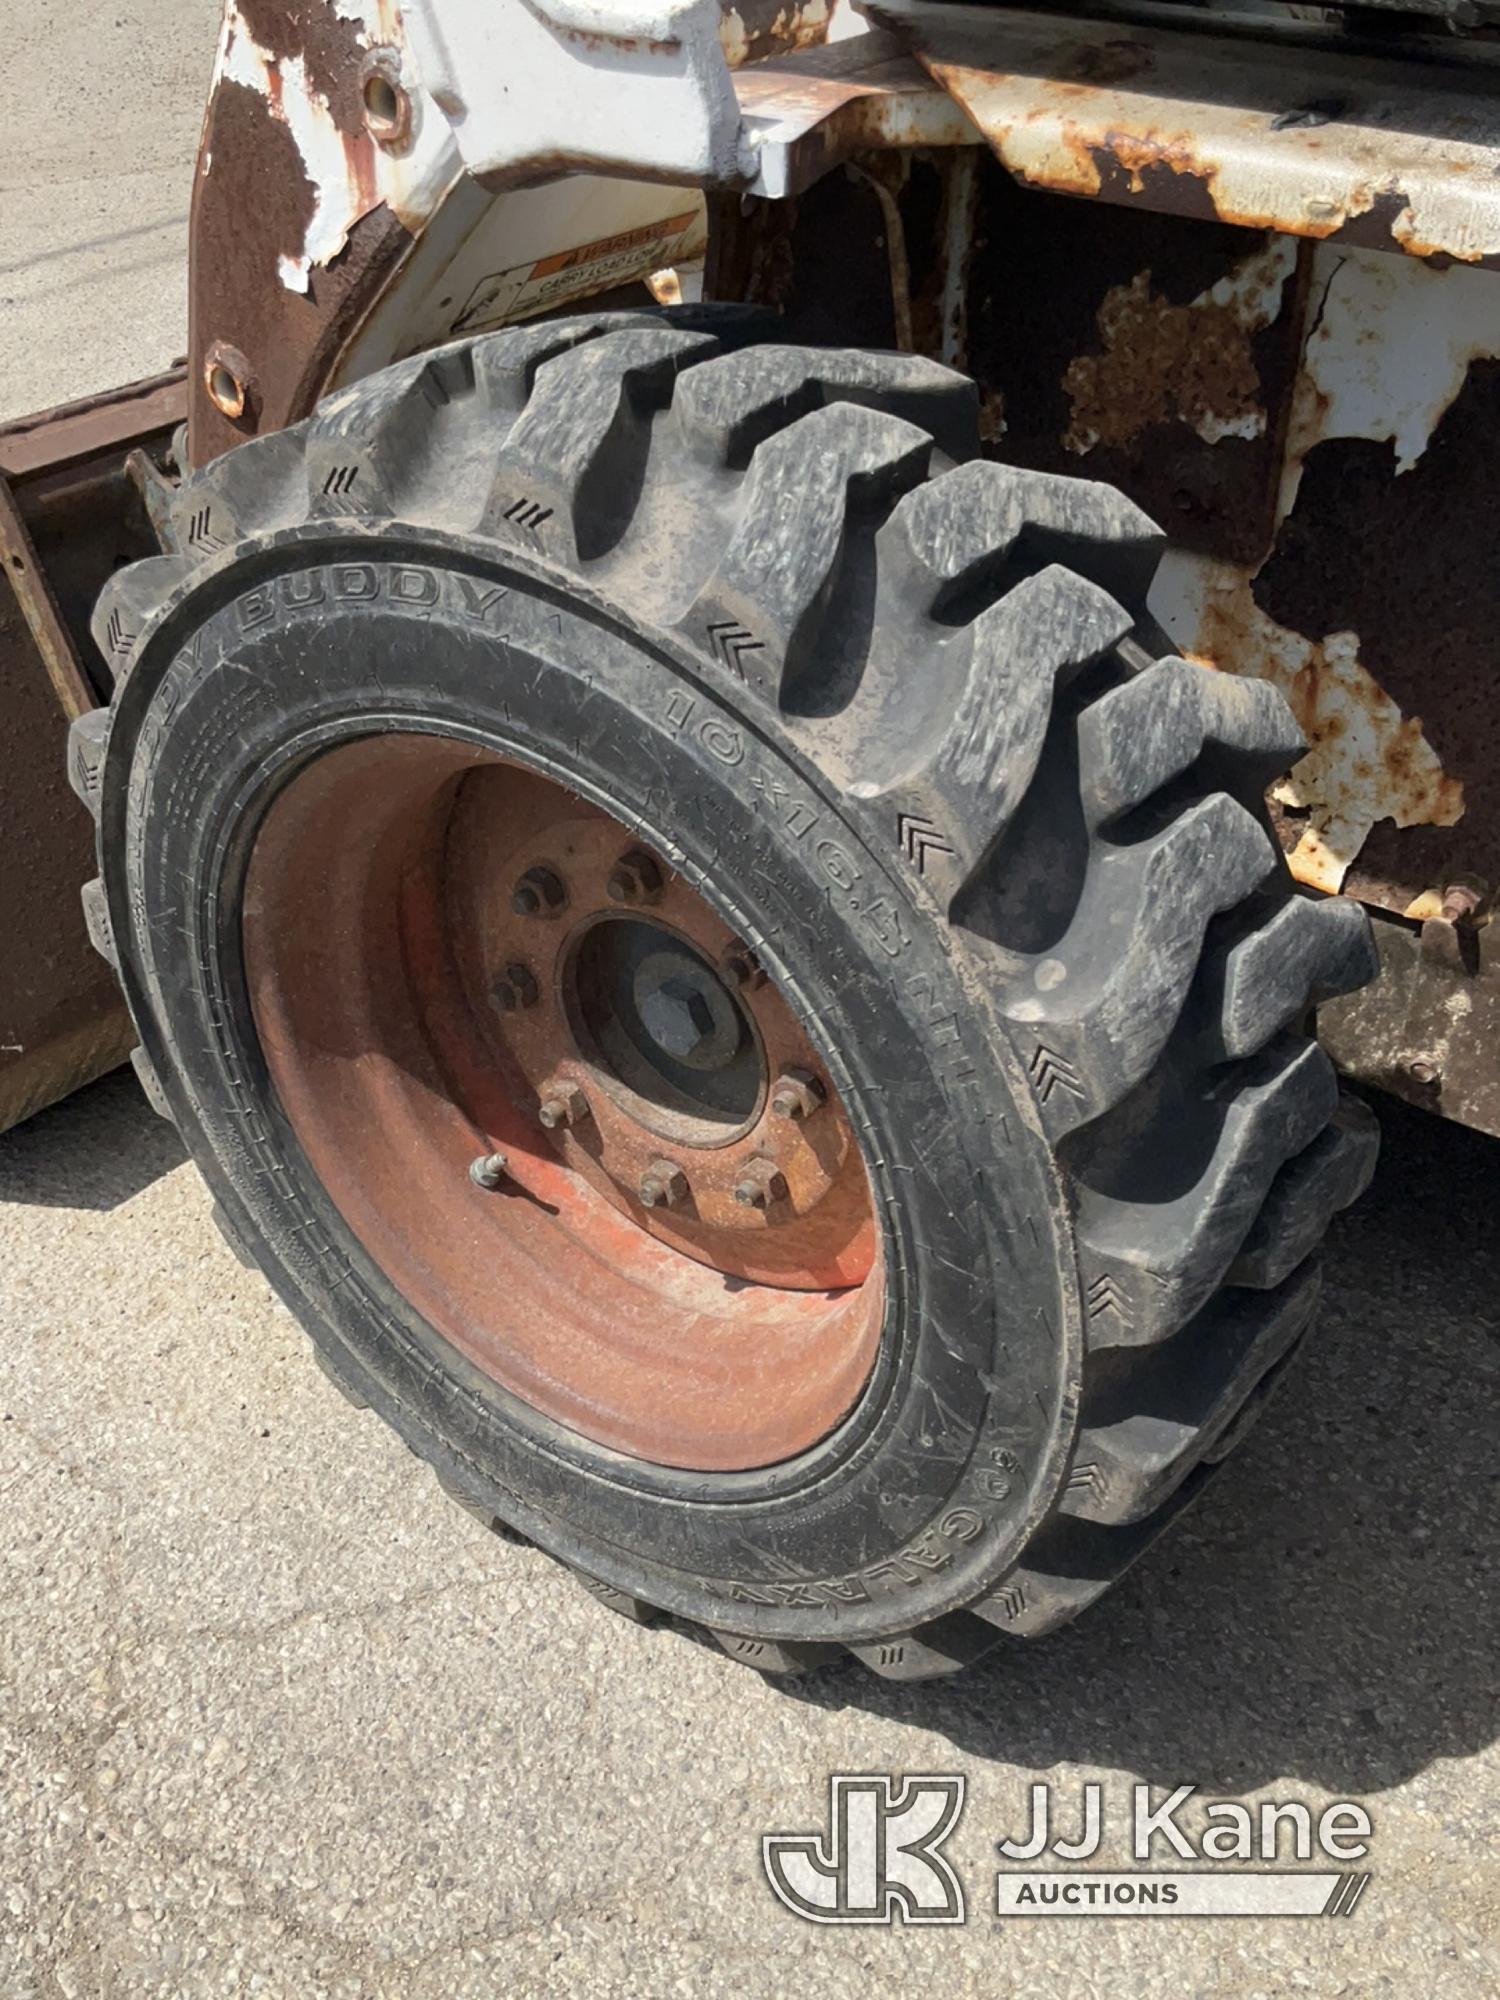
(279, 1719)
(103, 103)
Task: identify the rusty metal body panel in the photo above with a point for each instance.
(1311, 140)
(1249, 273)
(1318, 428)
(69, 514)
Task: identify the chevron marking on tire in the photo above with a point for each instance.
(200, 531)
(1087, 1478)
(1051, 1072)
(919, 838)
(731, 643)
(1105, 1296)
(341, 480)
(530, 516)
(1010, 1601)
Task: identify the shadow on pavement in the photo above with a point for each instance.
(1329, 1612)
(95, 1150)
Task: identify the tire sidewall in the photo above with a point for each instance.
(931, 1489)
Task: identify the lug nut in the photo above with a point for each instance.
(489, 1170)
(761, 1184)
(664, 1185)
(515, 987)
(539, 893)
(1423, 1070)
(798, 1094)
(562, 1105)
(742, 968)
(635, 878)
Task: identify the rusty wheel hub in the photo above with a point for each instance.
(561, 1105)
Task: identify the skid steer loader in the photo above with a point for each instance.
(762, 666)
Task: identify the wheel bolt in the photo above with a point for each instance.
(798, 1094)
(516, 987)
(761, 1184)
(539, 893)
(664, 1185)
(489, 1170)
(562, 1105)
(635, 878)
(742, 968)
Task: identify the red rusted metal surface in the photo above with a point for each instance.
(253, 203)
(685, 1335)
(54, 440)
(68, 515)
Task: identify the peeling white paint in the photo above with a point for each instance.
(1391, 343)
(410, 183)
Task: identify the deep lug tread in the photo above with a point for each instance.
(969, 532)
(567, 472)
(1143, 1276)
(1074, 1562)
(1310, 1190)
(772, 1656)
(1103, 1004)
(944, 1646)
(723, 413)
(97, 923)
(1024, 649)
(1139, 737)
(1308, 952)
(128, 603)
(1156, 1424)
(636, 1609)
(146, 1077)
(364, 451)
(87, 736)
(760, 615)
(253, 490)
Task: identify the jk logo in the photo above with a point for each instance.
(880, 1859)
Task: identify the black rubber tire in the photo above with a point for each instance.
(890, 705)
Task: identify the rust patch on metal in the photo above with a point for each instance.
(1039, 278)
(1160, 362)
(251, 210)
(1365, 760)
(283, 269)
(752, 30)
